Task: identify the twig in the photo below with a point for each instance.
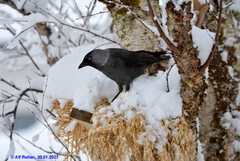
(50, 128)
(93, 14)
(102, 45)
(37, 118)
(15, 87)
(64, 24)
(3, 106)
(40, 112)
(214, 47)
(172, 47)
(80, 13)
(13, 5)
(10, 84)
(30, 57)
(14, 111)
(33, 96)
(49, 152)
(71, 25)
(24, 94)
(168, 90)
(5, 46)
(45, 88)
(86, 20)
(51, 113)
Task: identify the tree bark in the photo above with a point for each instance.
(134, 34)
(129, 18)
(193, 80)
(222, 93)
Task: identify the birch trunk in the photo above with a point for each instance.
(223, 80)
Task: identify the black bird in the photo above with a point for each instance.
(120, 65)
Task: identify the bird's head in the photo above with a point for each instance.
(96, 58)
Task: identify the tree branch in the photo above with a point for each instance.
(12, 4)
(14, 111)
(40, 148)
(85, 30)
(9, 83)
(168, 89)
(172, 47)
(36, 105)
(30, 57)
(214, 47)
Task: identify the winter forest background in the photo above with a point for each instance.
(190, 111)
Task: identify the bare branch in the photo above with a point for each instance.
(45, 88)
(168, 90)
(90, 10)
(12, 4)
(60, 141)
(214, 47)
(40, 148)
(73, 26)
(14, 111)
(9, 83)
(172, 47)
(5, 46)
(80, 13)
(30, 57)
(41, 114)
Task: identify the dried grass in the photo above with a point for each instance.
(118, 139)
(75, 138)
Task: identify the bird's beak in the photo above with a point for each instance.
(83, 64)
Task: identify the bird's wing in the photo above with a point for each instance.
(143, 59)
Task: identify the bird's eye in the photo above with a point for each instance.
(89, 58)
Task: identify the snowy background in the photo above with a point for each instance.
(86, 86)
(21, 71)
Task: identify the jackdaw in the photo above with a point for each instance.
(120, 65)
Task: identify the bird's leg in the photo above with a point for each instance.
(127, 87)
(120, 90)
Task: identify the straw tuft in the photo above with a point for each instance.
(113, 137)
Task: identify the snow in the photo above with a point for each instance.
(35, 138)
(236, 145)
(200, 153)
(224, 56)
(36, 84)
(231, 120)
(88, 86)
(151, 28)
(203, 40)
(12, 148)
(21, 147)
(235, 6)
(230, 41)
(178, 3)
(164, 16)
(203, 1)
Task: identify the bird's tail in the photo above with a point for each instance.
(160, 55)
(164, 57)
